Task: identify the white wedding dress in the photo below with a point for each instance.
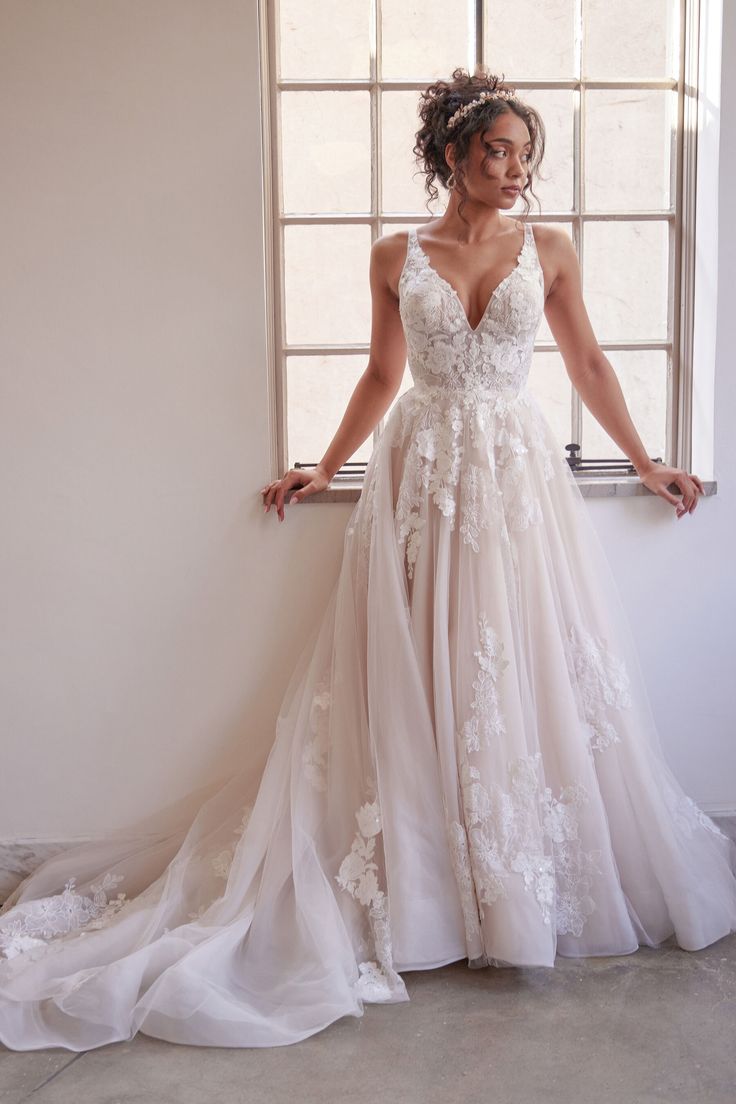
(465, 763)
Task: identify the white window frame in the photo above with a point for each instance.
(693, 180)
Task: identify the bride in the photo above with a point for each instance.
(465, 764)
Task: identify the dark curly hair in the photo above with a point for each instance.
(440, 100)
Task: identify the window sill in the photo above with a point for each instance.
(591, 486)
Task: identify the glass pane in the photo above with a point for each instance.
(318, 392)
(403, 178)
(544, 334)
(625, 277)
(631, 38)
(628, 134)
(551, 387)
(554, 185)
(313, 43)
(326, 151)
(425, 40)
(526, 38)
(643, 378)
(326, 284)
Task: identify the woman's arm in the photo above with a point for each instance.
(375, 389)
(592, 374)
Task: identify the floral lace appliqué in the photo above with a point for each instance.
(223, 860)
(442, 347)
(358, 874)
(520, 829)
(486, 721)
(474, 505)
(468, 393)
(35, 925)
(314, 752)
(525, 830)
(690, 818)
(603, 682)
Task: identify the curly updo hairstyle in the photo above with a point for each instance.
(440, 100)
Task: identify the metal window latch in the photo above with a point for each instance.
(600, 466)
(353, 469)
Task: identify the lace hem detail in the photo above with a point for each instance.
(690, 818)
(522, 830)
(358, 875)
(35, 926)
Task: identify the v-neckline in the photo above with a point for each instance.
(453, 290)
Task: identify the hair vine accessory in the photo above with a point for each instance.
(501, 93)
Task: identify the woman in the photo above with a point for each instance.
(465, 765)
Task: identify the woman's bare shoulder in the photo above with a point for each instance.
(388, 254)
(550, 235)
(556, 251)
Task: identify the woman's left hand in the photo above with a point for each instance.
(657, 478)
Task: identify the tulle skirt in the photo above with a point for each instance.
(465, 766)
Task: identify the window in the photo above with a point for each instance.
(616, 84)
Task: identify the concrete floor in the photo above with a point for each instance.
(657, 1025)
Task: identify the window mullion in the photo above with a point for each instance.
(376, 143)
(576, 412)
(684, 239)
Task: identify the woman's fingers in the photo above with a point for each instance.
(304, 490)
(699, 490)
(309, 488)
(689, 493)
(301, 483)
(280, 492)
(275, 493)
(268, 491)
(689, 486)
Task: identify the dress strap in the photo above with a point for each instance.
(412, 246)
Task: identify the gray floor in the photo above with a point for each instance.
(658, 1025)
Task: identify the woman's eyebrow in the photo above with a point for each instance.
(509, 140)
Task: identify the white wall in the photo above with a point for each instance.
(151, 614)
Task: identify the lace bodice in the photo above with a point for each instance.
(444, 350)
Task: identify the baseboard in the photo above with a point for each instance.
(715, 810)
(20, 857)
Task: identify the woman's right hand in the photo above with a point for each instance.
(310, 480)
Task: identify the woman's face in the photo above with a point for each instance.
(507, 164)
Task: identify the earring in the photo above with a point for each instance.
(451, 180)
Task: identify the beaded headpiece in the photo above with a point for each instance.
(501, 93)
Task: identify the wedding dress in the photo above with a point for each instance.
(465, 763)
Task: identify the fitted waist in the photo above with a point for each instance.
(468, 391)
